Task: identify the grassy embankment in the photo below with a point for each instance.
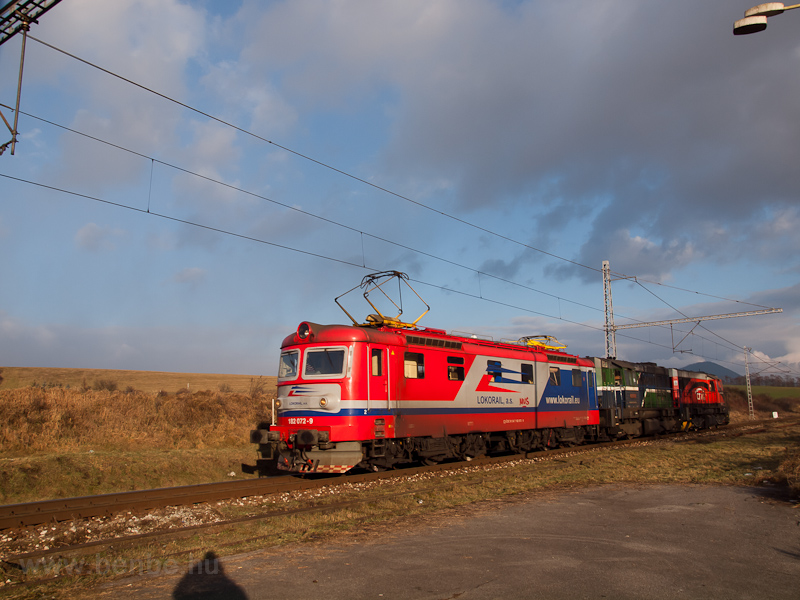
(766, 400)
(145, 381)
(758, 458)
(82, 432)
(63, 442)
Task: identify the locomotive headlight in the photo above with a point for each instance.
(303, 331)
(323, 402)
(278, 403)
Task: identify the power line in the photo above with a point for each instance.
(312, 254)
(316, 216)
(352, 176)
(732, 345)
(313, 160)
(333, 222)
(303, 212)
(358, 179)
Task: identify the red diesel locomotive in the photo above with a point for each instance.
(383, 393)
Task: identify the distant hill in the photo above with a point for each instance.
(713, 369)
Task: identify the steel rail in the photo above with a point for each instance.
(181, 532)
(64, 509)
(81, 507)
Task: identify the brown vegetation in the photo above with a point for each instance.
(789, 470)
(764, 404)
(54, 419)
(147, 381)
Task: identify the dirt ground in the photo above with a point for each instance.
(615, 541)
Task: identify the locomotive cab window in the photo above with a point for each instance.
(455, 373)
(288, 367)
(414, 365)
(324, 362)
(576, 378)
(555, 375)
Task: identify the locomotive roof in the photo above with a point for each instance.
(426, 336)
(650, 367)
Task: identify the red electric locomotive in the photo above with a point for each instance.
(385, 392)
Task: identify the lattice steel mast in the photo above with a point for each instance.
(15, 17)
(611, 328)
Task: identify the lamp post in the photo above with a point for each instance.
(755, 19)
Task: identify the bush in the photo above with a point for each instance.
(108, 385)
(34, 419)
(789, 470)
(257, 387)
(762, 403)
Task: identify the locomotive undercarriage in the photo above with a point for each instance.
(320, 456)
(382, 454)
(635, 422)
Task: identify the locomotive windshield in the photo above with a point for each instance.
(324, 361)
(288, 366)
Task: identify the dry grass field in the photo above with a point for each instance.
(67, 432)
(73, 432)
(766, 400)
(145, 381)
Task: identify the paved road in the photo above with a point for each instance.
(602, 542)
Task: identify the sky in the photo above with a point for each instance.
(193, 179)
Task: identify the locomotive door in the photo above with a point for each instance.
(378, 380)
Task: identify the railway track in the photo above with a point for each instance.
(193, 494)
(34, 513)
(82, 507)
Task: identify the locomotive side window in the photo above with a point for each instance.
(377, 362)
(527, 373)
(576, 378)
(414, 365)
(493, 367)
(288, 366)
(555, 375)
(455, 372)
(324, 362)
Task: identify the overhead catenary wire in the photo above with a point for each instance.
(732, 345)
(219, 230)
(362, 233)
(363, 265)
(375, 186)
(351, 175)
(153, 160)
(296, 209)
(326, 257)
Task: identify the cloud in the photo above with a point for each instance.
(620, 131)
(190, 275)
(94, 238)
(124, 38)
(134, 347)
(666, 137)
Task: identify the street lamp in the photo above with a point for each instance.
(755, 19)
